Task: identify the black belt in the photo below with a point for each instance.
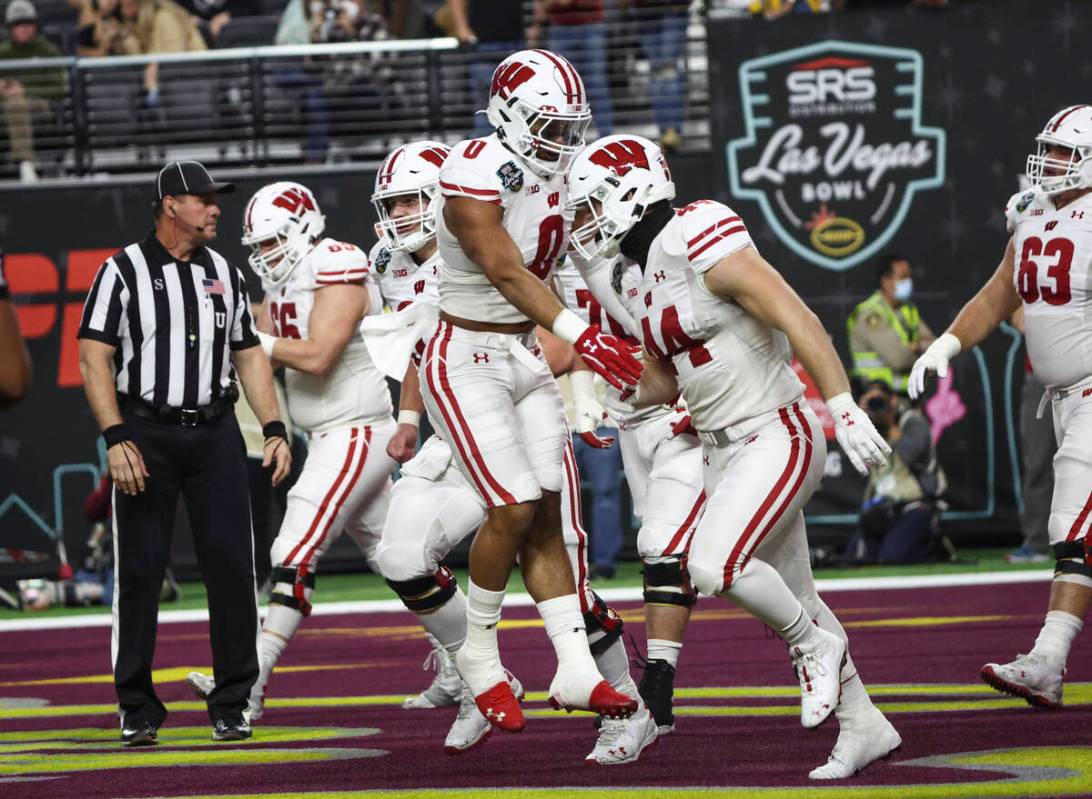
(186, 417)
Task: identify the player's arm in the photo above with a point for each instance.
(597, 277)
(657, 387)
(559, 354)
(411, 406)
(15, 369)
(334, 320)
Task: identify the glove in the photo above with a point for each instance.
(856, 434)
(588, 414)
(934, 359)
(683, 426)
(609, 357)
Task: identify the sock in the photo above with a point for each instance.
(1056, 637)
(800, 631)
(565, 625)
(662, 649)
(760, 591)
(447, 624)
(483, 614)
(280, 626)
(613, 664)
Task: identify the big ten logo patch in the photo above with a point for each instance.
(49, 297)
(835, 148)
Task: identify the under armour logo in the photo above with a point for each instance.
(493, 715)
(481, 357)
(660, 276)
(705, 459)
(1086, 393)
(847, 419)
(1077, 215)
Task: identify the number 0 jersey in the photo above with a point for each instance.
(730, 366)
(1053, 275)
(353, 391)
(486, 170)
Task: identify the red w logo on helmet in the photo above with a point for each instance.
(293, 200)
(620, 156)
(510, 77)
(435, 155)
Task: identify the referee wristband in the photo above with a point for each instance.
(275, 429)
(267, 341)
(409, 417)
(115, 434)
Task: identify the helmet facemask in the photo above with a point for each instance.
(1056, 175)
(274, 265)
(615, 205)
(406, 233)
(547, 140)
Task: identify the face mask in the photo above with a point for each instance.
(903, 289)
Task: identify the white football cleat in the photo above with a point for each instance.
(446, 687)
(818, 665)
(201, 684)
(622, 740)
(858, 746)
(1030, 677)
(471, 729)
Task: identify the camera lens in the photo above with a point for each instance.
(876, 403)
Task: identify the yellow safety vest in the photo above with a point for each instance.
(758, 6)
(904, 320)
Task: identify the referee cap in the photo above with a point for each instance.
(187, 177)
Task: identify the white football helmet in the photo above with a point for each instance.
(286, 214)
(539, 107)
(1070, 128)
(615, 178)
(413, 170)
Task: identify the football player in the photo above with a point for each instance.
(1047, 269)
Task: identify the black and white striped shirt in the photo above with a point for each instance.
(174, 323)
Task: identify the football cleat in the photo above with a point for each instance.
(858, 746)
(492, 694)
(622, 740)
(1030, 677)
(657, 689)
(140, 735)
(446, 687)
(818, 666)
(201, 684)
(567, 693)
(471, 729)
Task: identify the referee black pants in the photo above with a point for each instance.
(207, 464)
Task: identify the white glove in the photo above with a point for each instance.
(856, 434)
(588, 413)
(935, 358)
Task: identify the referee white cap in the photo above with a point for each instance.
(187, 177)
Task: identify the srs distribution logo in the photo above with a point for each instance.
(835, 148)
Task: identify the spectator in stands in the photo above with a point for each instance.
(26, 96)
(212, 15)
(491, 29)
(346, 21)
(662, 29)
(158, 26)
(900, 514)
(576, 31)
(294, 28)
(776, 9)
(101, 30)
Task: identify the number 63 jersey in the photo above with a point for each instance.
(1053, 276)
(486, 170)
(729, 365)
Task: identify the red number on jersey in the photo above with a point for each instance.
(585, 299)
(551, 235)
(341, 246)
(675, 340)
(694, 206)
(474, 149)
(284, 315)
(1027, 279)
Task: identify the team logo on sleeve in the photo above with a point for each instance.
(616, 277)
(511, 176)
(382, 260)
(1025, 200)
(834, 148)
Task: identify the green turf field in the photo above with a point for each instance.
(350, 587)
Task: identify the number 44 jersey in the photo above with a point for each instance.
(729, 365)
(486, 170)
(1053, 276)
(352, 391)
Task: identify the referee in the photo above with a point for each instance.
(165, 328)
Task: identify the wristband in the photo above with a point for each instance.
(275, 429)
(267, 341)
(582, 382)
(568, 326)
(409, 417)
(115, 434)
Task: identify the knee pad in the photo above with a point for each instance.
(1071, 563)
(602, 618)
(301, 582)
(667, 582)
(425, 594)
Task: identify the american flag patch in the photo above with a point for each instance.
(213, 286)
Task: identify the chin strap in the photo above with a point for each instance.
(635, 244)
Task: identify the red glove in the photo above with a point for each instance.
(592, 440)
(609, 357)
(684, 426)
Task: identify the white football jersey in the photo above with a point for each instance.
(353, 391)
(1053, 275)
(486, 170)
(402, 281)
(730, 366)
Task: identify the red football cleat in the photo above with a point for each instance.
(500, 706)
(603, 700)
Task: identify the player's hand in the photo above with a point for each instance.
(403, 443)
(609, 357)
(278, 451)
(934, 359)
(857, 436)
(127, 468)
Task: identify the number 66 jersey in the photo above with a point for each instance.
(1053, 276)
(486, 170)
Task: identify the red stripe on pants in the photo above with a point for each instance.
(1075, 530)
(699, 503)
(326, 500)
(344, 495)
(572, 479)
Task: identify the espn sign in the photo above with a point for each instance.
(831, 80)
